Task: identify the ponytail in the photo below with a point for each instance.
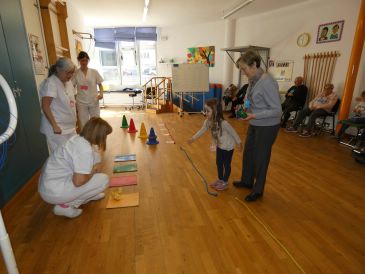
(52, 70)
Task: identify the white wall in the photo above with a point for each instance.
(279, 30)
(75, 22)
(179, 39)
(33, 26)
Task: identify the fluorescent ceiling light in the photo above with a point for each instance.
(240, 6)
(145, 10)
(146, 3)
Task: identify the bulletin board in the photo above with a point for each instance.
(190, 78)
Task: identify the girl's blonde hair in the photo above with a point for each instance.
(216, 118)
(95, 131)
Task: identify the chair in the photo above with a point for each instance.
(134, 93)
(354, 140)
(322, 125)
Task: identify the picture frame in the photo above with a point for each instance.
(330, 32)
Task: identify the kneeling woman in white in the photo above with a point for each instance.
(71, 177)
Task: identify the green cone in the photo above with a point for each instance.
(124, 122)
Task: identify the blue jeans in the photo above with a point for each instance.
(223, 160)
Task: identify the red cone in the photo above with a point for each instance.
(132, 128)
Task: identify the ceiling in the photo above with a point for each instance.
(162, 13)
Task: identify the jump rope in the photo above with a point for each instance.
(266, 227)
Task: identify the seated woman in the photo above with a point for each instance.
(229, 94)
(238, 100)
(71, 175)
(359, 116)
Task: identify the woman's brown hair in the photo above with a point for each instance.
(95, 131)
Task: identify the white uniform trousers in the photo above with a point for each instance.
(76, 196)
(85, 112)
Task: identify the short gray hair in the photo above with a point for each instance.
(249, 58)
(63, 63)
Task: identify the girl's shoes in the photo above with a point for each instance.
(215, 183)
(221, 186)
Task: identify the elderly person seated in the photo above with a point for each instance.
(229, 94)
(238, 100)
(321, 105)
(294, 99)
(358, 117)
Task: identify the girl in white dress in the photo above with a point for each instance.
(86, 80)
(58, 120)
(71, 177)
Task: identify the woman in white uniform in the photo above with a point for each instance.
(58, 120)
(71, 177)
(86, 80)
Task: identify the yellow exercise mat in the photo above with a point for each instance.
(126, 200)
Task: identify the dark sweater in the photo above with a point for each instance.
(299, 94)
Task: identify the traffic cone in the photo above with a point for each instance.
(152, 138)
(132, 128)
(143, 132)
(124, 122)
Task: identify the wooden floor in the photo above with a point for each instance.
(311, 219)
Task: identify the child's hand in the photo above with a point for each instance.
(190, 141)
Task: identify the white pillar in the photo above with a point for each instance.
(229, 37)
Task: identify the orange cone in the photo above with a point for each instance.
(132, 128)
(143, 132)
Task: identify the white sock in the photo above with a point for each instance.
(68, 211)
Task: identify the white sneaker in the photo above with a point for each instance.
(69, 212)
(99, 196)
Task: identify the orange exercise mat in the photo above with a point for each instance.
(127, 200)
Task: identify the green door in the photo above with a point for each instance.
(29, 150)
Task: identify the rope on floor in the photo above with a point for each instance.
(197, 171)
(268, 230)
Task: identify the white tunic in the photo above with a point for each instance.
(76, 156)
(87, 86)
(63, 105)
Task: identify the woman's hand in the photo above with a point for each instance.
(100, 96)
(240, 147)
(57, 129)
(249, 117)
(96, 168)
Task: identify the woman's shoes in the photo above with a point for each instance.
(67, 211)
(253, 197)
(221, 186)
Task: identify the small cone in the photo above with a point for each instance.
(143, 132)
(124, 122)
(132, 128)
(152, 138)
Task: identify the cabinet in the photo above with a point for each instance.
(29, 151)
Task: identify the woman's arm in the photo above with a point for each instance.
(79, 179)
(46, 107)
(101, 90)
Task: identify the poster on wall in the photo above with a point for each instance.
(201, 55)
(330, 32)
(281, 70)
(37, 55)
(78, 46)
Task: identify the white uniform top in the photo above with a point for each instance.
(87, 86)
(63, 105)
(75, 156)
